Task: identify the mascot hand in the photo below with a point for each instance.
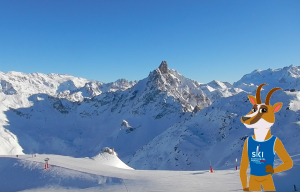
(269, 169)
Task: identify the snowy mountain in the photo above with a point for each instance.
(286, 78)
(22, 91)
(185, 90)
(217, 89)
(58, 124)
(216, 134)
(61, 86)
(164, 121)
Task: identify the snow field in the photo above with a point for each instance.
(104, 173)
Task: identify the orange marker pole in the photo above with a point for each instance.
(211, 169)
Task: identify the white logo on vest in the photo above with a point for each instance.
(258, 156)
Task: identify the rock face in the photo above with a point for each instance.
(197, 108)
(163, 67)
(7, 88)
(179, 88)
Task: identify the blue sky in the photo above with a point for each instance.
(106, 40)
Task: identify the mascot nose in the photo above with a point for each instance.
(245, 118)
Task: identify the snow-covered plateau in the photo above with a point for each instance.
(166, 128)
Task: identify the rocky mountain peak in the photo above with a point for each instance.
(163, 67)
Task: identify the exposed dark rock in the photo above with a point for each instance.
(197, 108)
(163, 67)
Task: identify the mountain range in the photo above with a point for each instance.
(164, 121)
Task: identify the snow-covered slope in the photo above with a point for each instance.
(28, 173)
(23, 91)
(217, 89)
(57, 124)
(286, 78)
(216, 133)
(88, 175)
(17, 82)
(165, 121)
(109, 157)
(63, 86)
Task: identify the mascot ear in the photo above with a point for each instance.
(277, 107)
(252, 99)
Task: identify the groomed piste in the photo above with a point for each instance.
(106, 172)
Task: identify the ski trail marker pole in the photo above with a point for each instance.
(211, 169)
(46, 163)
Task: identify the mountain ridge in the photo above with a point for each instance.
(166, 114)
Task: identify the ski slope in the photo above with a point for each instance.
(108, 173)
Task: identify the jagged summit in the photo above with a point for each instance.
(163, 67)
(176, 86)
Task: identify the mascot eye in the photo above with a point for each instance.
(253, 110)
(263, 110)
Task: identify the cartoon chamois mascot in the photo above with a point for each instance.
(259, 150)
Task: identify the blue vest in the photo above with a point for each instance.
(261, 154)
